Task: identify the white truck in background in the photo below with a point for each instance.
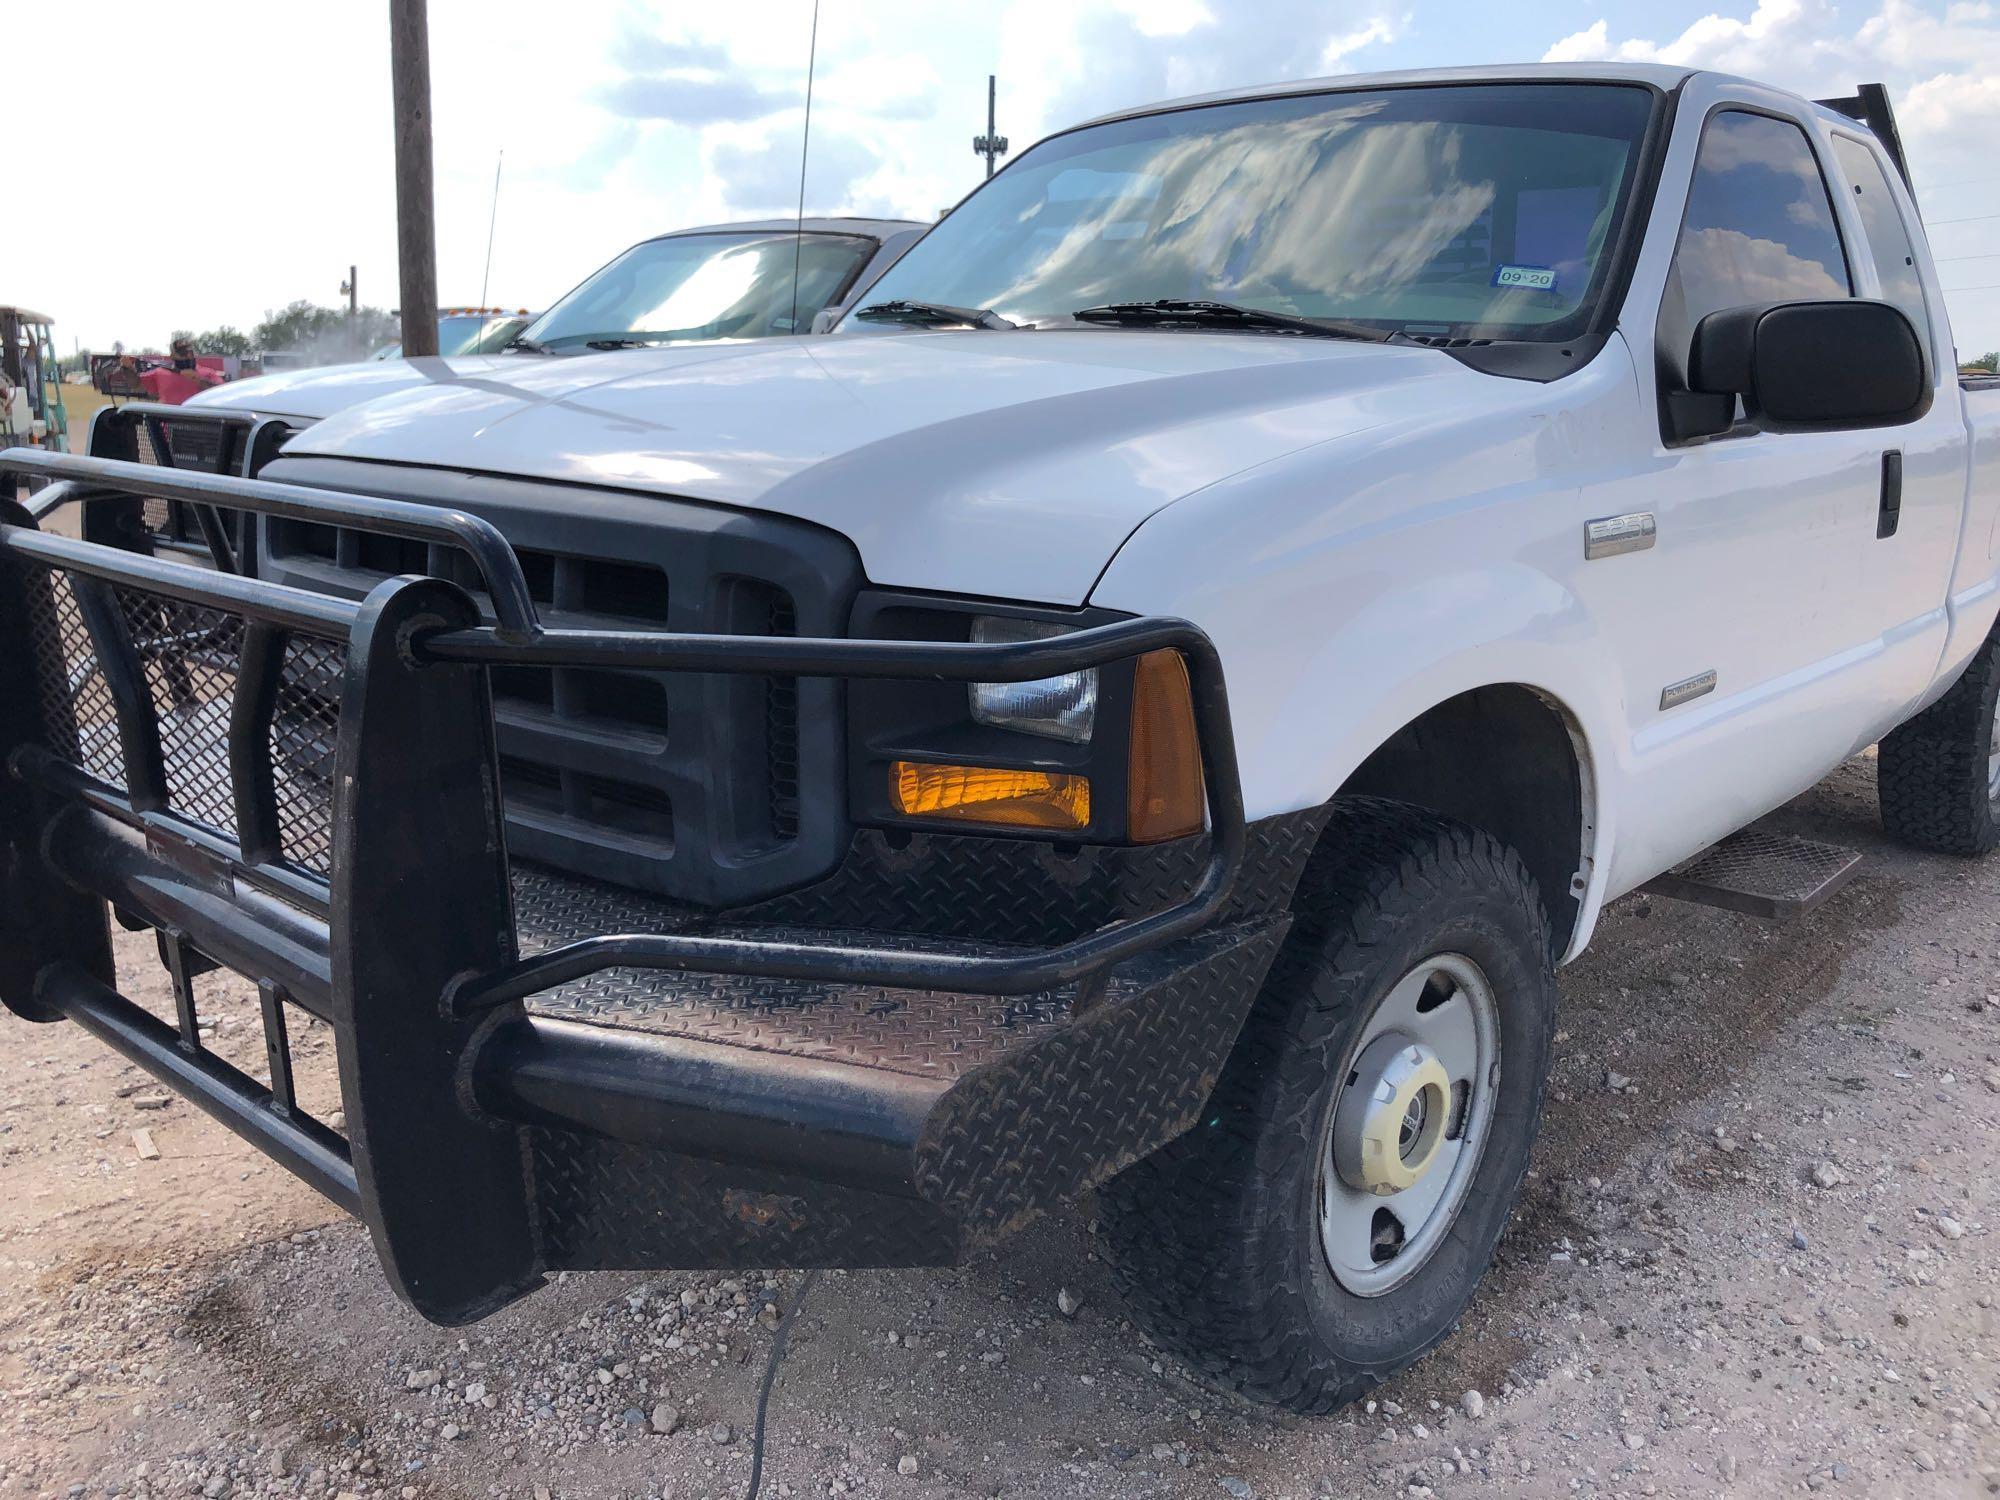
(759, 278)
(779, 803)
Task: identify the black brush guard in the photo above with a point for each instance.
(486, 1145)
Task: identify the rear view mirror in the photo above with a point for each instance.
(1805, 365)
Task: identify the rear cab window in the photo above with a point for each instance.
(1890, 248)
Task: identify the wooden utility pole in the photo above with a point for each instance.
(416, 233)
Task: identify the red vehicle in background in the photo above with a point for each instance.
(183, 376)
(150, 376)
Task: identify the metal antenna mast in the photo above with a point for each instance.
(805, 142)
(486, 276)
(991, 145)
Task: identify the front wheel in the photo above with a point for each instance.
(1329, 1218)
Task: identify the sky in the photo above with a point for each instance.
(208, 164)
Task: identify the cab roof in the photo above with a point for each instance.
(1656, 75)
(854, 224)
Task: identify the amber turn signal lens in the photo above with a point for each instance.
(984, 794)
(1165, 799)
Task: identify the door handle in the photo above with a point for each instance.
(1890, 512)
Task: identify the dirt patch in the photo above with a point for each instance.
(1679, 1308)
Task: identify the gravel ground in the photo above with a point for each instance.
(1756, 1255)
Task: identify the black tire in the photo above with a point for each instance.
(1931, 773)
(1215, 1239)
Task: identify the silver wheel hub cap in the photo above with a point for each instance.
(1409, 1124)
(1993, 757)
(1390, 1122)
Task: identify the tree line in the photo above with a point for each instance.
(302, 325)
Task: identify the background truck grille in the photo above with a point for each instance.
(189, 658)
(205, 447)
(201, 444)
(714, 790)
(197, 445)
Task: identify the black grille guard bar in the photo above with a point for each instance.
(519, 639)
(295, 609)
(512, 606)
(158, 411)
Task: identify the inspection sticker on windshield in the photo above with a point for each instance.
(1528, 278)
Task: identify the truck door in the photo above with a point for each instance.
(1791, 606)
(1909, 574)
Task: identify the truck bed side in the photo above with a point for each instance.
(1975, 584)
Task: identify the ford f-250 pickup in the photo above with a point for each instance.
(1148, 707)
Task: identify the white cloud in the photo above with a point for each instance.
(1334, 55)
(1942, 67)
(1155, 18)
(1711, 42)
(1083, 60)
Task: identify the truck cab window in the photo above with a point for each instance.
(1759, 228)
(1888, 236)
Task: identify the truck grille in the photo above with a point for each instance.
(781, 725)
(685, 786)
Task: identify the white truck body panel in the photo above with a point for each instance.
(1365, 530)
(1766, 571)
(308, 395)
(1010, 464)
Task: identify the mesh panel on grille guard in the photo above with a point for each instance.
(303, 732)
(80, 724)
(191, 658)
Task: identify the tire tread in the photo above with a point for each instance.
(1191, 1243)
(1930, 773)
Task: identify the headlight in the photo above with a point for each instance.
(1059, 708)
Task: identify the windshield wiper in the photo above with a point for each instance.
(935, 315)
(616, 343)
(1169, 311)
(526, 345)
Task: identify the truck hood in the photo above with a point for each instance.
(322, 391)
(1008, 464)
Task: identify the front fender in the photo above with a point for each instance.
(1309, 710)
(1357, 583)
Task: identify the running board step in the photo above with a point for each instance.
(1761, 873)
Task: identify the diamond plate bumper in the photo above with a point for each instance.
(538, 1073)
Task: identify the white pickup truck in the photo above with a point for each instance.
(1147, 706)
(753, 279)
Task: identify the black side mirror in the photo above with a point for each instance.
(1805, 365)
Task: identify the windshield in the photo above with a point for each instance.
(476, 334)
(1476, 210)
(706, 286)
(463, 333)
